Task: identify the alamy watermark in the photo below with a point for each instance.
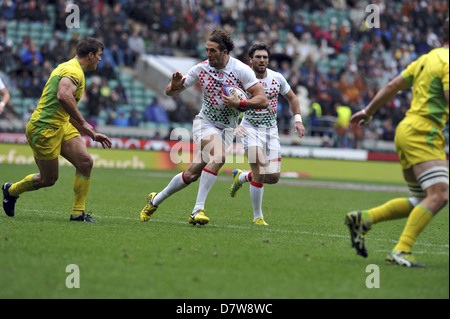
(73, 279)
(73, 19)
(373, 279)
(373, 19)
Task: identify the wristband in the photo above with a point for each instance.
(365, 112)
(242, 103)
(298, 118)
(2, 104)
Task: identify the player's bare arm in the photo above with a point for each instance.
(175, 85)
(294, 105)
(382, 97)
(5, 98)
(65, 95)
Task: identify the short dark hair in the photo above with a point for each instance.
(223, 39)
(258, 46)
(445, 31)
(87, 45)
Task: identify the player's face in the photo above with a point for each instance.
(260, 61)
(94, 60)
(216, 58)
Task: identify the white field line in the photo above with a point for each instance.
(253, 228)
(309, 183)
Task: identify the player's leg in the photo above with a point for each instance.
(239, 176)
(45, 144)
(213, 157)
(154, 199)
(47, 177)
(361, 221)
(427, 176)
(257, 163)
(396, 208)
(181, 180)
(75, 151)
(433, 178)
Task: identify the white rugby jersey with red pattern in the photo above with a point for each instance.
(274, 84)
(212, 81)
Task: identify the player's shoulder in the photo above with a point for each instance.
(238, 64)
(200, 66)
(274, 75)
(435, 56)
(70, 66)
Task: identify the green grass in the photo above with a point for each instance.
(304, 253)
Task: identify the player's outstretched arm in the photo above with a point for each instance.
(175, 85)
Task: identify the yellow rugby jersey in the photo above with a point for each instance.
(429, 77)
(49, 111)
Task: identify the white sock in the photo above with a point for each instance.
(207, 180)
(245, 177)
(256, 195)
(177, 183)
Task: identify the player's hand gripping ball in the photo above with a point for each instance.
(230, 90)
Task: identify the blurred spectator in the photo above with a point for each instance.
(107, 71)
(7, 9)
(155, 113)
(33, 13)
(111, 119)
(30, 53)
(33, 88)
(27, 115)
(93, 97)
(60, 52)
(122, 95)
(388, 131)
(137, 45)
(121, 119)
(134, 119)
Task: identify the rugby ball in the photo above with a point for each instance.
(230, 90)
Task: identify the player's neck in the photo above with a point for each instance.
(225, 62)
(83, 63)
(260, 75)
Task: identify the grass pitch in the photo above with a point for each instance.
(304, 253)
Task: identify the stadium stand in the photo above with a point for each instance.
(332, 60)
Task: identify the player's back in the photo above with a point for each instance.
(429, 77)
(49, 111)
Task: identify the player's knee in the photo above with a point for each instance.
(435, 182)
(272, 178)
(441, 196)
(85, 164)
(47, 181)
(190, 177)
(218, 159)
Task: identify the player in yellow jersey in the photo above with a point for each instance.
(420, 146)
(54, 128)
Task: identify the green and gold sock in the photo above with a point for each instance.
(80, 189)
(394, 209)
(417, 221)
(25, 185)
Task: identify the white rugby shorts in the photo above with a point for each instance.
(203, 128)
(268, 141)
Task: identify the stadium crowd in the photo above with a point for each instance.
(331, 58)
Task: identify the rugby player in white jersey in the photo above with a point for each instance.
(213, 128)
(259, 132)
